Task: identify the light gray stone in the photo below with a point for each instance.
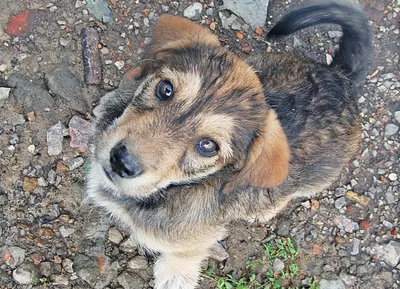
(193, 11)
(16, 255)
(67, 265)
(226, 22)
(114, 235)
(391, 129)
(218, 252)
(55, 139)
(340, 202)
(130, 280)
(25, 274)
(253, 13)
(278, 265)
(137, 263)
(388, 253)
(332, 284)
(128, 246)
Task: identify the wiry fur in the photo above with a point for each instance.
(285, 125)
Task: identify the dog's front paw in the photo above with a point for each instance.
(177, 272)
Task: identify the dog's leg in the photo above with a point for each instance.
(178, 270)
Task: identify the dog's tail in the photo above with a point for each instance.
(355, 50)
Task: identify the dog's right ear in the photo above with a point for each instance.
(172, 32)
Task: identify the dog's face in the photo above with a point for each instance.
(197, 110)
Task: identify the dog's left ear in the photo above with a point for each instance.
(173, 32)
(268, 161)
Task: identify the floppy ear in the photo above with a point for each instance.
(268, 161)
(177, 32)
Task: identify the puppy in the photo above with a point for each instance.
(197, 137)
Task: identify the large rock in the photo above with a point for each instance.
(130, 280)
(25, 274)
(31, 95)
(253, 12)
(67, 85)
(13, 256)
(193, 11)
(389, 253)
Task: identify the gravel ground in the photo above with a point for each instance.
(349, 236)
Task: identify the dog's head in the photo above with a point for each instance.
(197, 109)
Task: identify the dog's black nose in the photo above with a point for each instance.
(124, 164)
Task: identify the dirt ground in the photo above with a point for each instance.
(349, 235)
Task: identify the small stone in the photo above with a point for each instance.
(16, 119)
(346, 224)
(226, 22)
(66, 232)
(218, 253)
(297, 42)
(75, 163)
(78, 4)
(130, 280)
(193, 11)
(364, 225)
(64, 42)
(30, 184)
(119, 64)
(389, 253)
(165, 8)
(390, 198)
(100, 10)
(253, 13)
(391, 129)
(397, 116)
(356, 246)
(13, 256)
(105, 50)
(67, 265)
(59, 280)
(392, 176)
(278, 265)
(4, 93)
(259, 31)
(137, 263)
(51, 177)
(42, 182)
(335, 34)
(46, 268)
(79, 130)
(239, 35)
(360, 199)
(331, 284)
(329, 59)
(236, 25)
(114, 235)
(25, 274)
(91, 56)
(3, 68)
(316, 249)
(128, 246)
(283, 228)
(340, 202)
(55, 139)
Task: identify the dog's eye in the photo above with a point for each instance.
(207, 147)
(164, 90)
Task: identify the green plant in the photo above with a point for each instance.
(41, 281)
(259, 273)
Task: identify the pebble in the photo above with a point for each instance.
(52, 177)
(64, 42)
(59, 280)
(128, 246)
(226, 22)
(278, 265)
(283, 228)
(79, 131)
(165, 8)
(16, 119)
(389, 253)
(297, 42)
(397, 116)
(105, 50)
(392, 176)
(13, 256)
(31, 149)
(46, 268)
(91, 56)
(345, 224)
(3, 67)
(67, 265)
(25, 274)
(62, 82)
(54, 139)
(335, 34)
(391, 129)
(119, 64)
(218, 253)
(360, 199)
(331, 284)
(100, 10)
(137, 263)
(193, 11)
(66, 232)
(356, 246)
(4, 94)
(130, 280)
(253, 13)
(114, 235)
(78, 4)
(340, 202)
(74, 163)
(42, 182)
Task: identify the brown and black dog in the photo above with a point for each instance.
(201, 137)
